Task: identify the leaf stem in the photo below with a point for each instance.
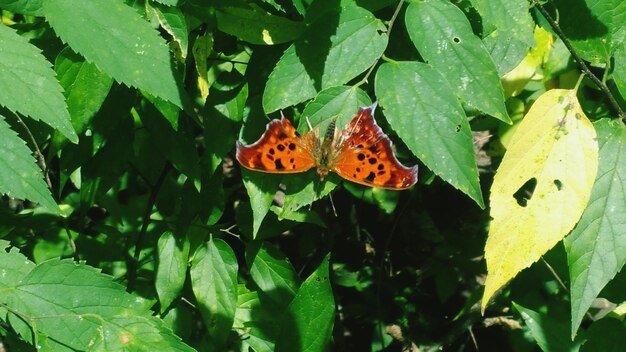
(603, 87)
(389, 27)
(41, 161)
(134, 262)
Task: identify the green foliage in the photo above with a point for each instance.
(127, 223)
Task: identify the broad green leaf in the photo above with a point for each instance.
(515, 80)
(168, 2)
(172, 20)
(20, 177)
(430, 120)
(594, 27)
(305, 189)
(254, 25)
(28, 84)
(443, 36)
(338, 44)
(73, 304)
(171, 270)
(606, 335)
(128, 48)
(550, 332)
(308, 322)
(272, 272)
(214, 283)
(85, 87)
(555, 147)
(261, 189)
(224, 112)
(507, 30)
(596, 249)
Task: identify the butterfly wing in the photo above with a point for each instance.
(279, 150)
(364, 155)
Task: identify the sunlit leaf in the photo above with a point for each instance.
(28, 84)
(596, 249)
(443, 36)
(555, 149)
(128, 49)
(20, 177)
(430, 120)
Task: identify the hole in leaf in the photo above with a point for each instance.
(456, 39)
(558, 184)
(457, 129)
(524, 193)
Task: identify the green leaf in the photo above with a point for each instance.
(20, 177)
(272, 272)
(172, 20)
(128, 49)
(550, 332)
(28, 84)
(606, 335)
(71, 304)
(595, 248)
(24, 7)
(425, 114)
(261, 189)
(594, 27)
(256, 26)
(171, 271)
(338, 44)
(85, 87)
(341, 102)
(214, 283)
(308, 322)
(443, 36)
(507, 30)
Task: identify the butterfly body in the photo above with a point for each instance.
(361, 152)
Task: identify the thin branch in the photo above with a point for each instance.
(41, 161)
(134, 262)
(580, 61)
(391, 22)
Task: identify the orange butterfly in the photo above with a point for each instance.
(361, 152)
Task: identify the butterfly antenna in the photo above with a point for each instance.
(308, 123)
(332, 204)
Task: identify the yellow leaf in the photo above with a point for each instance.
(201, 50)
(555, 145)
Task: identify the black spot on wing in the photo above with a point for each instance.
(370, 178)
(279, 164)
(280, 147)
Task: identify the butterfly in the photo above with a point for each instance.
(360, 152)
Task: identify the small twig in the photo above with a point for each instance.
(391, 22)
(41, 161)
(133, 262)
(579, 60)
(556, 276)
(72, 243)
